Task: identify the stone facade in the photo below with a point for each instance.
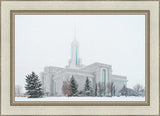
(53, 77)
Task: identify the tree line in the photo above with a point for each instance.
(70, 88)
(34, 89)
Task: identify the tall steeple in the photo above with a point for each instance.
(75, 61)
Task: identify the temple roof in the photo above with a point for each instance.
(94, 66)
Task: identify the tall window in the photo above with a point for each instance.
(103, 81)
(76, 55)
(104, 77)
(54, 88)
(90, 83)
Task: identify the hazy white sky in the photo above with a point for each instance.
(45, 40)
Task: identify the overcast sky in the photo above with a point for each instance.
(45, 40)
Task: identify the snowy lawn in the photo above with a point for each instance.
(121, 98)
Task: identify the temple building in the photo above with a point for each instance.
(53, 77)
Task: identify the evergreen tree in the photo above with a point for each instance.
(123, 91)
(33, 86)
(87, 88)
(73, 87)
(96, 90)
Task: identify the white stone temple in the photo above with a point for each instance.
(53, 77)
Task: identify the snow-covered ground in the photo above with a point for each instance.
(121, 98)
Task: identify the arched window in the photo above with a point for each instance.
(76, 56)
(90, 83)
(54, 88)
(104, 77)
(103, 81)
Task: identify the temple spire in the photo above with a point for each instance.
(75, 61)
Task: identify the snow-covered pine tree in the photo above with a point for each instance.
(87, 88)
(123, 91)
(74, 87)
(33, 86)
(96, 90)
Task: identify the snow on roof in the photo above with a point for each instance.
(93, 67)
(119, 77)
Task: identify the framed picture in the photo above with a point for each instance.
(80, 58)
